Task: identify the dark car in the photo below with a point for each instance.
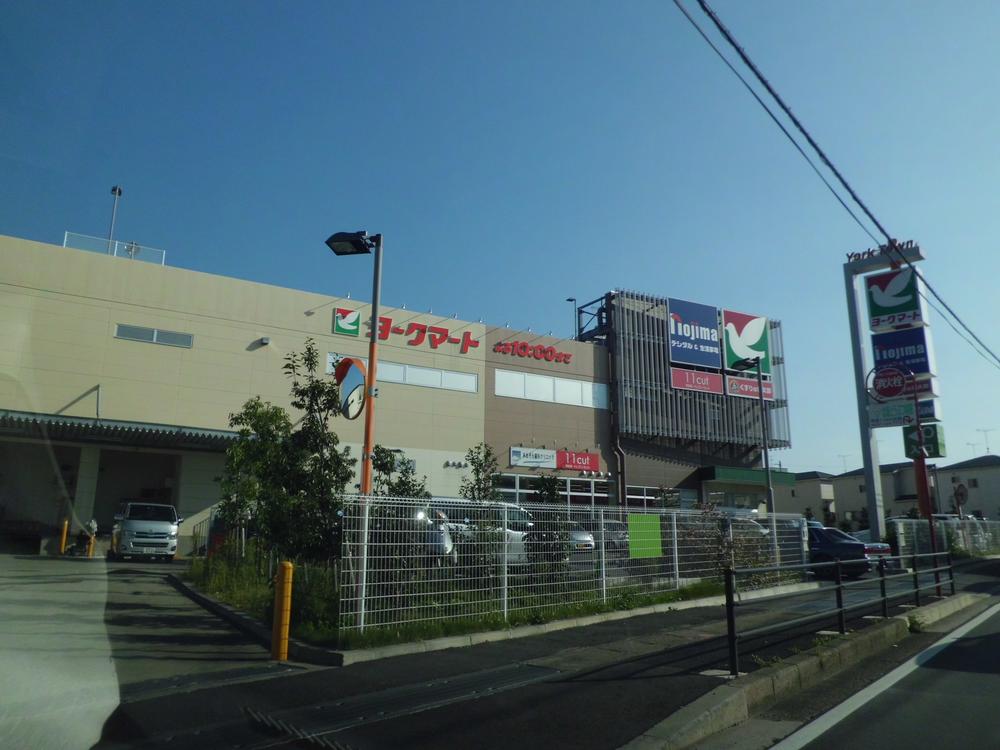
(828, 544)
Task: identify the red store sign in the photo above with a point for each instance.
(693, 380)
(747, 387)
(532, 351)
(577, 461)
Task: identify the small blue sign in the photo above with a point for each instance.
(694, 334)
(909, 348)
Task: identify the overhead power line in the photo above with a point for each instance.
(776, 121)
(891, 242)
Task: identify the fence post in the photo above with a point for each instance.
(282, 612)
(734, 654)
(841, 616)
(604, 564)
(881, 586)
(364, 564)
(677, 556)
(951, 573)
(916, 581)
(503, 578)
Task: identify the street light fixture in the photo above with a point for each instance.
(753, 363)
(359, 243)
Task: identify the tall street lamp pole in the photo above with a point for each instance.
(359, 243)
(576, 324)
(748, 364)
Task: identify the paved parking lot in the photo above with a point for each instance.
(80, 637)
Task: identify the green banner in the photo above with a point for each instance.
(644, 536)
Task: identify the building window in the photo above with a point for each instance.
(425, 377)
(551, 389)
(154, 336)
(521, 488)
(973, 483)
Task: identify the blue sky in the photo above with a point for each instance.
(585, 145)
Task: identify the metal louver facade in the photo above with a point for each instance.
(647, 407)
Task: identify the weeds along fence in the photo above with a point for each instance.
(963, 538)
(407, 561)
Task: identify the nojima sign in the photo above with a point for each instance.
(908, 348)
(694, 334)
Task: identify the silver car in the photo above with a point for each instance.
(145, 530)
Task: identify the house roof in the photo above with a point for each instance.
(805, 475)
(884, 468)
(979, 462)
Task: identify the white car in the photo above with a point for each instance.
(145, 530)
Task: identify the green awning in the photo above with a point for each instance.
(55, 427)
(734, 475)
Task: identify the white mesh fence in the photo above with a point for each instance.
(415, 560)
(964, 538)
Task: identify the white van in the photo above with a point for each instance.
(144, 530)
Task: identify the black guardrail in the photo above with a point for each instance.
(840, 610)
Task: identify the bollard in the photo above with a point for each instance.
(62, 539)
(90, 545)
(282, 612)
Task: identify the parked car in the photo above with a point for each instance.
(877, 551)
(144, 530)
(527, 540)
(615, 535)
(827, 544)
(580, 539)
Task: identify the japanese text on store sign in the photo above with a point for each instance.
(896, 319)
(537, 351)
(419, 333)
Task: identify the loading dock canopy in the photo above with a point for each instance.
(58, 428)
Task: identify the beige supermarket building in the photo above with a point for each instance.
(119, 376)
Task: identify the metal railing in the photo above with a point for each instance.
(119, 249)
(841, 610)
(408, 561)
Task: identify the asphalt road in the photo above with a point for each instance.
(946, 697)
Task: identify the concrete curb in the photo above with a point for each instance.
(297, 650)
(309, 654)
(728, 705)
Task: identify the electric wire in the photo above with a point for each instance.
(891, 243)
(776, 121)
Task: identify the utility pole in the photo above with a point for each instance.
(986, 437)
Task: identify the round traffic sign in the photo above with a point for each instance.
(889, 382)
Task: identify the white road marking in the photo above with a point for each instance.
(838, 713)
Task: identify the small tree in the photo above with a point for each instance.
(405, 483)
(548, 488)
(482, 485)
(289, 480)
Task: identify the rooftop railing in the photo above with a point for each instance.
(118, 248)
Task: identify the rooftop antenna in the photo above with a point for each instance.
(117, 192)
(986, 437)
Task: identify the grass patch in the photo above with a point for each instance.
(243, 583)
